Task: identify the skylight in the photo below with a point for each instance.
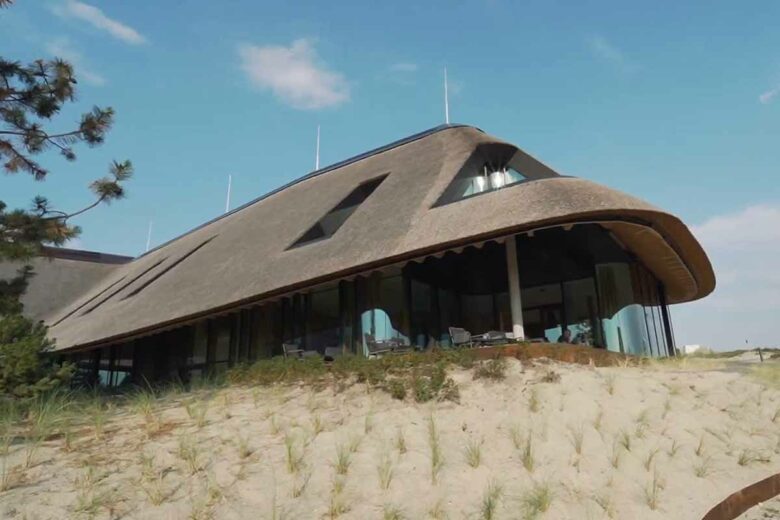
(168, 268)
(327, 226)
(122, 287)
(492, 167)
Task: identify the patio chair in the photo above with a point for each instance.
(460, 337)
(378, 347)
(291, 350)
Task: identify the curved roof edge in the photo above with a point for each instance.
(317, 173)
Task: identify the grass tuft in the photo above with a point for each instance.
(624, 438)
(533, 400)
(576, 436)
(385, 471)
(527, 453)
(473, 453)
(391, 512)
(490, 501)
(434, 442)
(400, 441)
(653, 491)
(537, 500)
(702, 468)
(293, 454)
(343, 459)
(494, 369)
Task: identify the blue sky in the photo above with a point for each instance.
(676, 102)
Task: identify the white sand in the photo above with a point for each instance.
(727, 413)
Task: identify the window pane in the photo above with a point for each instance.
(199, 344)
(323, 326)
(222, 343)
(581, 308)
(333, 220)
(623, 320)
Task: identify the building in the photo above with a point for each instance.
(447, 228)
(691, 349)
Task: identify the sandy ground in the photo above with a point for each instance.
(767, 511)
(656, 442)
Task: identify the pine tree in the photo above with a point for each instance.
(31, 95)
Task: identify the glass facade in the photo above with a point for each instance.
(577, 286)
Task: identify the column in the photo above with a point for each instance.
(513, 276)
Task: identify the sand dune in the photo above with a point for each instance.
(551, 440)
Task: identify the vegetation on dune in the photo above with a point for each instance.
(768, 372)
(423, 375)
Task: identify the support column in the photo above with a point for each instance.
(513, 276)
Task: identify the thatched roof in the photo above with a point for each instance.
(59, 277)
(245, 256)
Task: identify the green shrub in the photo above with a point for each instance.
(494, 369)
(397, 388)
(421, 387)
(25, 369)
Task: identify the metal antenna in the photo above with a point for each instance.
(317, 156)
(149, 237)
(227, 202)
(446, 99)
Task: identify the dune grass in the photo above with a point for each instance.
(473, 453)
(434, 443)
(537, 500)
(490, 500)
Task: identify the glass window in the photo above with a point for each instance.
(623, 319)
(335, 218)
(382, 310)
(480, 317)
(199, 344)
(324, 325)
(580, 303)
(222, 346)
(423, 318)
(492, 167)
(449, 313)
(489, 178)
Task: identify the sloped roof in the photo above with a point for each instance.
(245, 255)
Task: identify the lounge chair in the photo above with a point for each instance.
(291, 350)
(377, 347)
(460, 337)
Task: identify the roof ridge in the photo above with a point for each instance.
(317, 173)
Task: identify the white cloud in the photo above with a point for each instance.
(61, 48)
(744, 247)
(294, 74)
(768, 96)
(606, 51)
(99, 20)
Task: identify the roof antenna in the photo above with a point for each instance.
(227, 202)
(149, 237)
(446, 99)
(317, 156)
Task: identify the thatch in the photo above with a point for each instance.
(247, 258)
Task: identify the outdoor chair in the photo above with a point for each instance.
(291, 350)
(377, 347)
(460, 337)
